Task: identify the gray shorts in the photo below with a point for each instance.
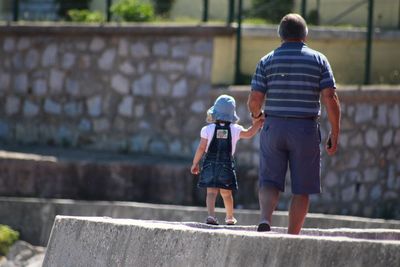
(295, 142)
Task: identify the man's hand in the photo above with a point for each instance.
(331, 101)
(257, 118)
(331, 144)
(258, 123)
(255, 104)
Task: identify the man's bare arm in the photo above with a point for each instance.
(255, 103)
(331, 102)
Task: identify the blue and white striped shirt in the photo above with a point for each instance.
(292, 77)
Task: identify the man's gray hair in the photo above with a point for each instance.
(292, 26)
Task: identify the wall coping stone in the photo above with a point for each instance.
(37, 230)
(347, 93)
(115, 28)
(321, 33)
(59, 154)
(315, 32)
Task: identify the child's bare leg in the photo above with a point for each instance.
(228, 202)
(212, 194)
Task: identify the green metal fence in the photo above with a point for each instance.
(52, 10)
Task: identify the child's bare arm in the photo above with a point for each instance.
(250, 132)
(195, 169)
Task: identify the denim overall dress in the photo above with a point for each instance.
(218, 168)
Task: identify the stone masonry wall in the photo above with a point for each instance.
(363, 178)
(147, 89)
(115, 88)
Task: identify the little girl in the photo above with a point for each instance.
(218, 141)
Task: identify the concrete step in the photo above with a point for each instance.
(91, 241)
(48, 172)
(34, 217)
(91, 175)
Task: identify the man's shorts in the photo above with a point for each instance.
(293, 142)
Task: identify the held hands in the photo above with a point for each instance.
(195, 169)
(257, 118)
(258, 123)
(331, 144)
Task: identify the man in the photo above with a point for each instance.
(292, 79)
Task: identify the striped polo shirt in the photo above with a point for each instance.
(292, 77)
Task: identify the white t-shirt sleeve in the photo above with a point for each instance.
(236, 129)
(203, 132)
(207, 132)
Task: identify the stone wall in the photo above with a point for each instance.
(363, 178)
(118, 88)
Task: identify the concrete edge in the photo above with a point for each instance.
(42, 212)
(270, 31)
(324, 32)
(83, 241)
(347, 93)
(186, 208)
(116, 28)
(337, 234)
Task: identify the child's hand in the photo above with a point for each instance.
(195, 169)
(258, 124)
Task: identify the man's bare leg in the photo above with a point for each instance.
(268, 197)
(297, 213)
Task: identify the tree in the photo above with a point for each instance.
(133, 10)
(65, 5)
(163, 7)
(271, 10)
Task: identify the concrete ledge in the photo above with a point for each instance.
(176, 29)
(95, 175)
(88, 241)
(323, 33)
(116, 28)
(389, 94)
(33, 217)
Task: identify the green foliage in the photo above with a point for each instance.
(133, 10)
(243, 79)
(163, 7)
(66, 5)
(313, 17)
(7, 237)
(271, 10)
(85, 15)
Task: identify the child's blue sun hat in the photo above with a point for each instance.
(224, 109)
